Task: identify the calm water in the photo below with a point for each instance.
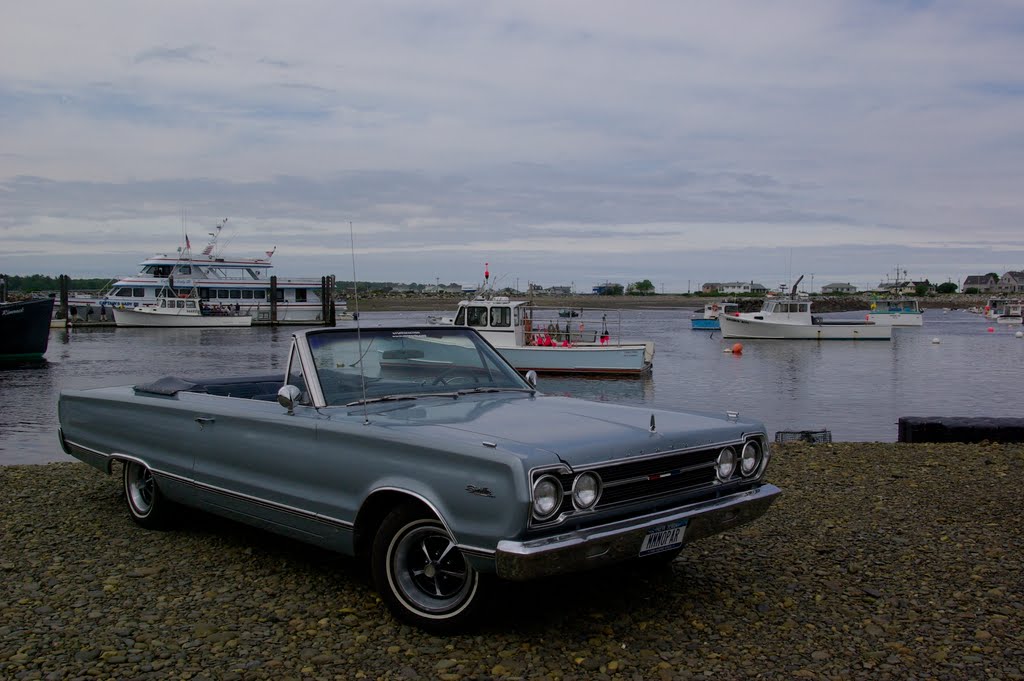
(856, 390)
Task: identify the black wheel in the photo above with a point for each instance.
(146, 503)
(421, 575)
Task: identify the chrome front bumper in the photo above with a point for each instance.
(596, 546)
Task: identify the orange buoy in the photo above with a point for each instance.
(737, 349)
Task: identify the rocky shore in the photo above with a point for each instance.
(881, 561)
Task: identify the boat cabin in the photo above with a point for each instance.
(500, 320)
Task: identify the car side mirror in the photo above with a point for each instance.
(288, 396)
(531, 378)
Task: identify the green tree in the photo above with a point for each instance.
(613, 290)
(994, 276)
(948, 287)
(642, 288)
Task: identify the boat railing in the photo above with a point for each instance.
(602, 327)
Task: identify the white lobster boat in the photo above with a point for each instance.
(534, 338)
(172, 311)
(789, 318)
(896, 312)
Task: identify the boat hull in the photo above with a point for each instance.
(25, 329)
(136, 317)
(896, 318)
(597, 359)
(756, 329)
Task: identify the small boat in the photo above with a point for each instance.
(564, 313)
(25, 329)
(789, 318)
(536, 338)
(1010, 314)
(896, 312)
(181, 310)
(708, 321)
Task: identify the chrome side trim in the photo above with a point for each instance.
(274, 505)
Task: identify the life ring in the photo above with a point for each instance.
(714, 307)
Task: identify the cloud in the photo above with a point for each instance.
(570, 139)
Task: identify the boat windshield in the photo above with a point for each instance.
(404, 363)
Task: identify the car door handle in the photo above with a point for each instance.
(204, 421)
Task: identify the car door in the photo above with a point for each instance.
(252, 462)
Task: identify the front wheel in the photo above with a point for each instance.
(146, 503)
(420, 573)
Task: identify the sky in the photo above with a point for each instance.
(564, 143)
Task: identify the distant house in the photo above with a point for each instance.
(831, 289)
(985, 283)
(711, 287)
(1011, 282)
(602, 289)
(560, 290)
(742, 287)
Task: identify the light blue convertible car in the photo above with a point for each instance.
(422, 450)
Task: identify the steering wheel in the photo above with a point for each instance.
(443, 379)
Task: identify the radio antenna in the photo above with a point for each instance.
(355, 317)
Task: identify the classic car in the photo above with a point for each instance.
(423, 451)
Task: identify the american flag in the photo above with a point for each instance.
(188, 245)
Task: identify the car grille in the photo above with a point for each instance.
(632, 481)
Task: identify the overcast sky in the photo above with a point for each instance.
(562, 142)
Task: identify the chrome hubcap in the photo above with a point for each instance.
(429, 571)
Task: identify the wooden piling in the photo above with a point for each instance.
(273, 300)
(64, 284)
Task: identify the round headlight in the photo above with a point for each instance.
(547, 497)
(749, 458)
(725, 466)
(586, 490)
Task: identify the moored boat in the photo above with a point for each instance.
(218, 280)
(180, 311)
(1011, 313)
(789, 318)
(708, 321)
(896, 312)
(534, 338)
(25, 329)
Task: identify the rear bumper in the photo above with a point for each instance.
(615, 542)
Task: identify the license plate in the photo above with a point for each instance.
(663, 538)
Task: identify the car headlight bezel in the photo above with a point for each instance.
(750, 457)
(577, 490)
(556, 496)
(725, 464)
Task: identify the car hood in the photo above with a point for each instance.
(577, 431)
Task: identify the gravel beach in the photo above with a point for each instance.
(882, 561)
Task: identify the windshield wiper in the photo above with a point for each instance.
(385, 398)
(469, 391)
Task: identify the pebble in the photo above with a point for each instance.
(879, 561)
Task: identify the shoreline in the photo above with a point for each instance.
(878, 561)
(422, 303)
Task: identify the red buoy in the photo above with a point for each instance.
(737, 349)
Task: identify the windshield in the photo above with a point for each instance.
(406, 362)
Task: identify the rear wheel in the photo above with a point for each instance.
(420, 573)
(146, 503)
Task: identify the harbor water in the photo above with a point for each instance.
(855, 390)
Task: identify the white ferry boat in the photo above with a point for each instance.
(239, 283)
